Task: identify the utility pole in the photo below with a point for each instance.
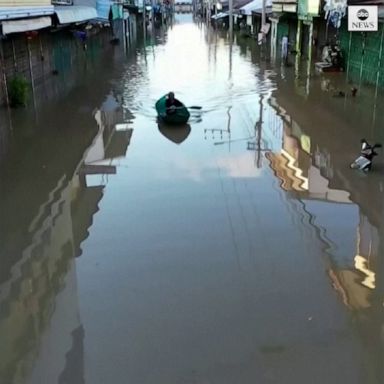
(144, 17)
(230, 4)
(263, 20)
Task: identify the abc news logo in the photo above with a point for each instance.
(362, 18)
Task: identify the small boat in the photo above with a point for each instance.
(180, 116)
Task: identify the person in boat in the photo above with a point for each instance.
(172, 103)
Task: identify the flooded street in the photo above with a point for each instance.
(238, 249)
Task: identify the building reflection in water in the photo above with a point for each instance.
(40, 326)
(350, 240)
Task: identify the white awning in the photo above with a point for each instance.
(220, 15)
(26, 25)
(9, 13)
(75, 14)
(253, 6)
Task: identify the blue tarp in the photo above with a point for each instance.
(103, 7)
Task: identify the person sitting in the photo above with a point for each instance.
(171, 103)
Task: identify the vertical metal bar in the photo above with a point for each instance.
(14, 55)
(309, 64)
(362, 61)
(31, 71)
(349, 53)
(310, 38)
(379, 62)
(144, 19)
(259, 128)
(274, 27)
(263, 20)
(298, 38)
(2, 67)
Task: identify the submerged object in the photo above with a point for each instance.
(367, 153)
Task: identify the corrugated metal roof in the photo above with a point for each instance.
(75, 14)
(9, 13)
(15, 26)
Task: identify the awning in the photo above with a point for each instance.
(7, 13)
(259, 11)
(220, 15)
(26, 25)
(253, 6)
(75, 14)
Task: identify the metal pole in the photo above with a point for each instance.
(14, 55)
(362, 61)
(298, 38)
(309, 64)
(31, 71)
(144, 19)
(273, 38)
(2, 66)
(230, 4)
(263, 20)
(349, 53)
(209, 10)
(259, 125)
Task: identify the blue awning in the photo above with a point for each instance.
(75, 14)
(103, 8)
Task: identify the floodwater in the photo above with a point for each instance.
(237, 249)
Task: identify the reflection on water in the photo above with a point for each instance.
(244, 255)
(176, 134)
(343, 221)
(40, 325)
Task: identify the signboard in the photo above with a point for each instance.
(290, 8)
(362, 18)
(277, 8)
(308, 8)
(334, 11)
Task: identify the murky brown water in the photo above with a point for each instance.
(238, 249)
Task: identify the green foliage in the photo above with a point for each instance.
(18, 88)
